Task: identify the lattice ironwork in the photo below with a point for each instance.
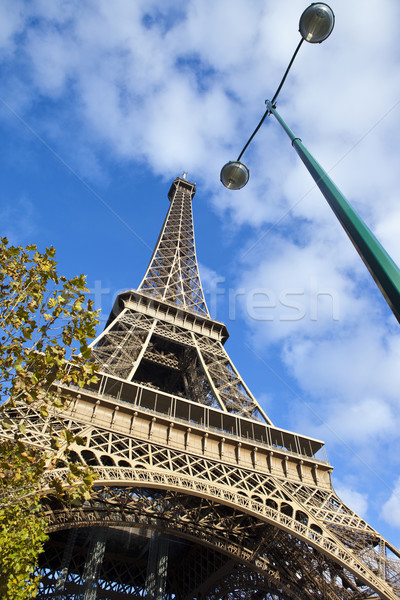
(197, 496)
(147, 341)
(173, 274)
(260, 556)
(315, 525)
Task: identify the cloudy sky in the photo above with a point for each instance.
(103, 104)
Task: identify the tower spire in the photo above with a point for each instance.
(162, 336)
(173, 274)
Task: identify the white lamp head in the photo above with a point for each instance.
(234, 175)
(316, 23)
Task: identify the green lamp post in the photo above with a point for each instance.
(316, 24)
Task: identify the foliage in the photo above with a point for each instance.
(45, 324)
(22, 526)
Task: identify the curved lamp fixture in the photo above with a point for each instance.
(234, 175)
(316, 24)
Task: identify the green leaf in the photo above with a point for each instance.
(37, 304)
(52, 303)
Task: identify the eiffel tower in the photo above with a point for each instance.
(198, 496)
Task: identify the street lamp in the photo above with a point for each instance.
(316, 24)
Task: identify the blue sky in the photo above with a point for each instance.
(103, 104)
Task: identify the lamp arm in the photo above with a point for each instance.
(287, 71)
(381, 266)
(273, 100)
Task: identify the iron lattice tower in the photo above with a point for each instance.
(198, 495)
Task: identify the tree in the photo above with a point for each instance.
(45, 324)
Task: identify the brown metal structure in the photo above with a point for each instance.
(198, 495)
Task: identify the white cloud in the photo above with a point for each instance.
(332, 336)
(214, 288)
(391, 508)
(11, 22)
(179, 87)
(357, 501)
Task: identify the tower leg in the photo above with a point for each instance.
(93, 564)
(66, 559)
(157, 567)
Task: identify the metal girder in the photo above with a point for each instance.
(309, 513)
(173, 277)
(184, 453)
(285, 565)
(173, 273)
